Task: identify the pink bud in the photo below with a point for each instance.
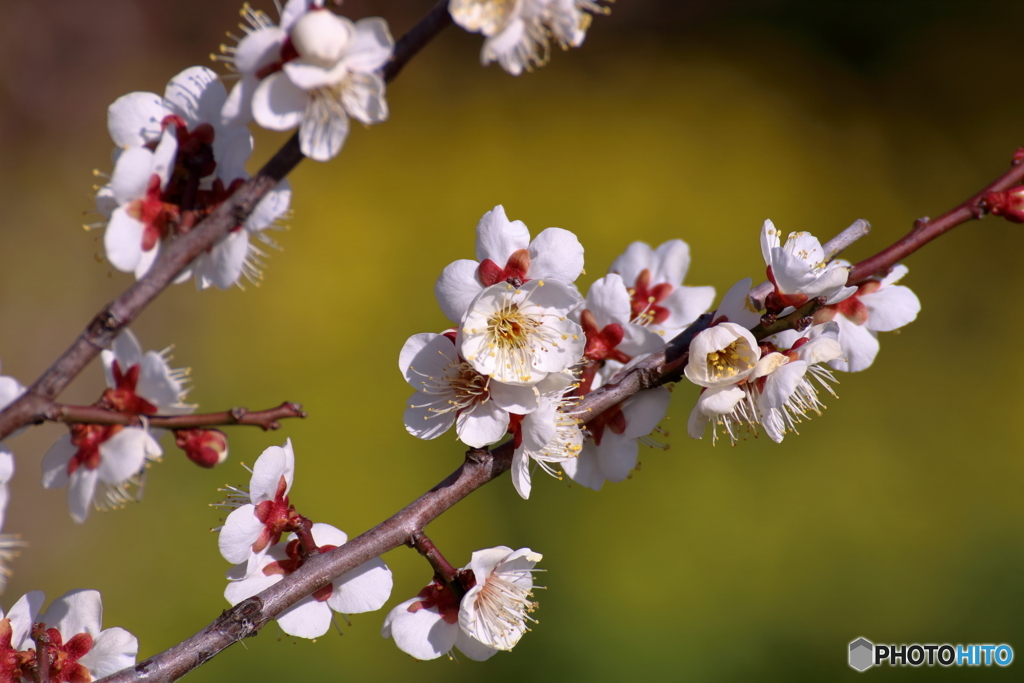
(204, 447)
(1009, 204)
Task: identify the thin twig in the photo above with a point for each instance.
(266, 419)
(925, 230)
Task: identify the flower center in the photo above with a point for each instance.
(14, 665)
(504, 608)
(730, 361)
(511, 329)
(88, 438)
(64, 666)
(295, 560)
(468, 385)
(645, 299)
(438, 595)
(277, 516)
(123, 397)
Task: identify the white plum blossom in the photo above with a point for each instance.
(140, 219)
(135, 379)
(427, 626)
(879, 305)
(192, 101)
(614, 447)
(654, 280)
(235, 255)
(450, 391)
(800, 271)
(110, 459)
(100, 458)
(783, 393)
(519, 336)
(495, 610)
(609, 324)
(257, 523)
(515, 35)
(721, 355)
(549, 434)
(334, 76)
(505, 253)
(154, 195)
(518, 33)
(363, 589)
(262, 51)
(777, 394)
(491, 616)
(79, 649)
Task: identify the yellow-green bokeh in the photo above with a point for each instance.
(897, 516)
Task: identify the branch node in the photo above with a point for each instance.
(238, 413)
(242, 620)
(477, 456)
(648, 378)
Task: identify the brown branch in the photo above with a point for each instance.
(925, 229)
(798, 320)
(266, 419)
(443, 569)
(436, 20)
(42, 639)
(179, 253)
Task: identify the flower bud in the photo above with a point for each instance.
(1009, 204)
(322, 37)
(204, 447)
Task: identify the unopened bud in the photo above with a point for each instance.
(204, 447)
(322, 37)
(1009, 204)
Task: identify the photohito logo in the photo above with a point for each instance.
(864, 654)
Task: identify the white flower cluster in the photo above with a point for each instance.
(519, 32)
(528, 345)
(490, 616)
(251, 539)
(313, 71)
(78, 649)
(747, 383)
(175, 162)
(104, 465)
(509, 364)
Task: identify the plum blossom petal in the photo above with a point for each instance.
(277, 103)
(497, 238)
(421, 633)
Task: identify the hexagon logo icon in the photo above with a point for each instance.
(862, 654)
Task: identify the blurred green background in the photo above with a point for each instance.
(898, 516)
